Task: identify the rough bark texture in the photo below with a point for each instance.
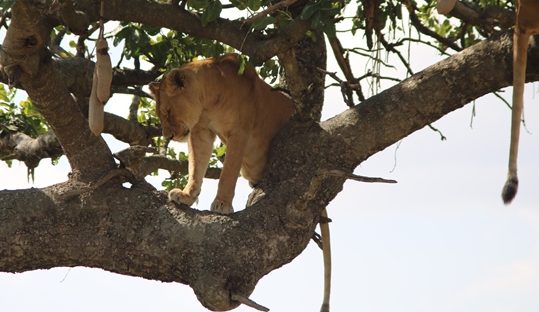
(134, 231)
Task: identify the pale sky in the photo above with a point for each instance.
(439, 240)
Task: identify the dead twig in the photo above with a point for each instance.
(425, 30)
(344, 64)
(248, 302)
(271, 9)
(346, 87)
(351, 176)
(391, 48)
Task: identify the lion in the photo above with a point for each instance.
(205, 99)
(208, 98)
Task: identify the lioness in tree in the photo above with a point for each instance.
(209, 98)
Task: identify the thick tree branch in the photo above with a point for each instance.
(133, 77)
(303, 77)
(141, 165)
(19, 146)
(223, 30)
(129, 131)
(488, 17)
(135, 232)
(427, 96)
(25, 48)
(22, 147)
(77, 75)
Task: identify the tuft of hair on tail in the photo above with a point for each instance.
(509, 190)
(325, 307)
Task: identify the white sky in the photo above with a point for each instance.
(439, 240)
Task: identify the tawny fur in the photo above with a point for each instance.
(527, 24)
(209, 98)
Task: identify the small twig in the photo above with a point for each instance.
(65, 276)
(395, 157)
(442, 136)
(351, 176)
(503, 100)
(425, 30)
(391, 48)
(248, 302)
(430, 45)
(344, 64)
(272, 8)
(378, 76)
(346, 87)
(324, 219)
(473, 115)
(317, 239)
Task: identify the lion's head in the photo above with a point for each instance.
(178, 107)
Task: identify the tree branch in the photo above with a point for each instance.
(352, 83)
(25, 48)
(141, 165)
(175, 17)
(427, 96)
(134, 231)
(129, 131)
(410, 6)
(269, 10)
(22, 147)
(484, 17)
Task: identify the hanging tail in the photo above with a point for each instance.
(520, 48)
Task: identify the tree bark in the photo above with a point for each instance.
(134, 231)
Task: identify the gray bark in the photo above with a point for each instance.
(134, 231)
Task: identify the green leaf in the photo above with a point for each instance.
(254, 4)
(124, 33)
(220, 151)
(152, 31)
(243, 63)
(330, 30)
(6, 4)
(262, 23)
(211, 13)
(240, 4)
(309, 10)
(316, 21)
(198, 4)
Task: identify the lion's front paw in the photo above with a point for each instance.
(221, 206)
(181, 197)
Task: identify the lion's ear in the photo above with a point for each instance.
(178, 78)
(175, 80)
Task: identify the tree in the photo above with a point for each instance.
(93, 220)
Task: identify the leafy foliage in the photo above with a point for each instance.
(322, 14)
(19, 118)
(164, 49)
(176, 180)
